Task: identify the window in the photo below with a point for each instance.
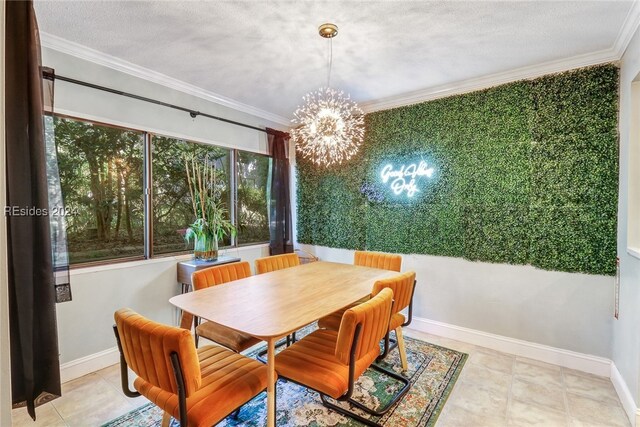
(101, 178)
(172, 208)
(253, 186)
(102, 170)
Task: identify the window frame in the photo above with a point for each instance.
(147, 192)
(242, 245)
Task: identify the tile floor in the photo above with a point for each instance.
(498, 389)
(494, 389)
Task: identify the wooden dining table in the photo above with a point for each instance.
(273, 305)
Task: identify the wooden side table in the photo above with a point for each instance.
(186, 268)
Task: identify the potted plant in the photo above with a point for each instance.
(211, 224)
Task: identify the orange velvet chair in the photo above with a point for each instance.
(403, 286)
(329, 362)
(380, 260)
(276, 262)
(198, 387)
(213, 276)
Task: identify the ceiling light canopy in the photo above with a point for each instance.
(330, 125)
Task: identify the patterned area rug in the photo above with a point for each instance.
(433, 371)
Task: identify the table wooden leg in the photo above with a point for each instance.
(402, 349)
(271, 383)
(187, 320)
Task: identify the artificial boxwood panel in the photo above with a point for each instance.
(525, 173)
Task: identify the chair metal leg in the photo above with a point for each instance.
(405, 388)
(124, 370)
(236, 413)
(261, 356)
(402, 349)
(389, 345)
(347, 398)
(346, 412)
(196, 323)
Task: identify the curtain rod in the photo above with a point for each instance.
(192, 113)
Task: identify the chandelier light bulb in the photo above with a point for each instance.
(329, 127)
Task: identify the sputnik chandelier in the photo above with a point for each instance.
(330, 125)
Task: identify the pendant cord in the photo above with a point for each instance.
(330, 62)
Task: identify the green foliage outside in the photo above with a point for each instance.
(525, 173)
(172, 204)
(253, 192)
(101, 174)
(101, 179)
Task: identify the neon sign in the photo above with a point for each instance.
(403, 180)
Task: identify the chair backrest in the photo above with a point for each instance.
(276, 262)
(220, 274)
(381, 260)
(373, 317)
(147, 346)
(402, 287)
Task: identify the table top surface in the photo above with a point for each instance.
(272, 305)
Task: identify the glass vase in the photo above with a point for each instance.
(205, 248)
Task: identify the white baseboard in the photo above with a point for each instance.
(88, 364)
(557, 356)
(544, 353)
(626, 398)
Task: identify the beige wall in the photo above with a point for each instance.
(561, 310)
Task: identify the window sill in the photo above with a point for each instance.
(160, 259)
(634, 252)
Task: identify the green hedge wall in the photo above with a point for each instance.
(525, 173)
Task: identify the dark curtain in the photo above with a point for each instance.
(280, 201)
(35, 368)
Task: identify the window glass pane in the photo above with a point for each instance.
(101, 179)
(253, 191)
(172, 207)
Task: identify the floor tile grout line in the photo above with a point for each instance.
(60, 415)
(128, 400)
(510, 393)
(566, 397)
(98, 377)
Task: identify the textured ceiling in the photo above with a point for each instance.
(267, 53)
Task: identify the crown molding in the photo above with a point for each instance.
(614, 53)
(83, 52)
(479, 83)
(628, 29)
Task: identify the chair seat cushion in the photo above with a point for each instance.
(312, 362)
(332, 321)
(236, 341)
(396, 321)
(228, 381)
